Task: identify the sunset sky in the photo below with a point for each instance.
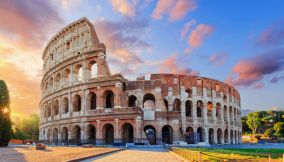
(240, 42)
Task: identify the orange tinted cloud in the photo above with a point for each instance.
(24, 90)
(175, 9)
(218, 59)
(170, 65)
(125, 7)
(187, 27)
(198, 35)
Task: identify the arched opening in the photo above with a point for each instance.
(77, 134)
(65, 104)
(66, 76)
(132, 101)
(225, 113)
(226, 136)
(189, 135)
(57, 80)
(109, 99)
(150, 133)
(199, 108)
(149, 101)
(56, 107)
(55, 135)
(235, 137)
(48, 136)
(232, 136)
(77, 103)
(51, 84)
(108, 131)
(127, 133)
(176, 105)
(200, 134)
(49, 110)
(166, 104)
(92, 101)
(211, 136)
(78, 72)
(188, 108)
(219, 136)
(189, 93)
(209, 109)
(167, 134)
(93, 69)
(91, 134)
(64, 135)
(218, 110)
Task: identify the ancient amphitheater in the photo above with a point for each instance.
(82, 102)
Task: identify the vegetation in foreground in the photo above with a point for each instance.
(5, 120)
(249, 152)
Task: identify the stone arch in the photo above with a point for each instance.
(211, 136)
(127, 133)
(177, 105)
(49, 110)
(225, 113)
(150, 132)
(188, 108)
(91, 134)
(78, 72)
(219, 136)
(189, 135)
(199, 110)
(77, 103)
(108, 134)
(65, 104)
(76, 134)
(232, 136)
(48, 134)
(57, 80)
(149, 101)
(218, 110)
(132, 101)
(93, 68)
(167, 134)
(55, 135)
(226, 136)
(200, 134)
(92, 101)
(66, 76)
(64, 135)
(56, 107)
(209, 109)
(109, 99)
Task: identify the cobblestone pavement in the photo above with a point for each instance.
(138, 155)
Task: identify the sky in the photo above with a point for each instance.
(239, 42)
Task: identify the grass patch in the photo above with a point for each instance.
(250, 152)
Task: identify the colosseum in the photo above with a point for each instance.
(82, 102)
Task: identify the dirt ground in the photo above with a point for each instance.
(51, 154)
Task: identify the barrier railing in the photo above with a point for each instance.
(199, 156)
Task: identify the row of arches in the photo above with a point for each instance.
(67, 76)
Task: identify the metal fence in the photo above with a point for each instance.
(199, 156)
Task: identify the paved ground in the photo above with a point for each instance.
(138, 155)
(52, 154)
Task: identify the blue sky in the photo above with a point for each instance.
(236, 41)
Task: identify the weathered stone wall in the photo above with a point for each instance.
(82, 102)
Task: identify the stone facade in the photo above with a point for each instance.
(82, 102)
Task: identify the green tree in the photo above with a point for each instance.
(269, 132)
(253, 121)
(5, 120)
(279, 129)
(29, 126)
(245, 127)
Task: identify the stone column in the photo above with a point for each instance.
(138, 129)
(99, 133)
(100, 98)
(183, 117)
(214, 113)
(118, 95)
(215, 136)
(175, 130)
(206, 135)
(117, 138)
